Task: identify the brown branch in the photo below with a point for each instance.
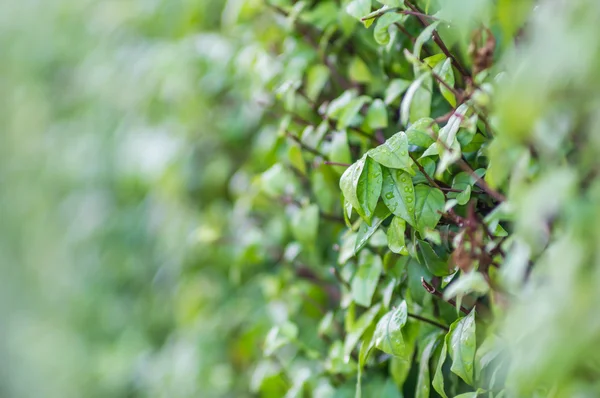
(436, 38)
(336, 164)
(480, 181)
(422, 170)
(432, 290)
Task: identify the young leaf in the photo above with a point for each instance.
(366, 278)
(395, 236)
(398, 194)
(448, 132)
(444, 71)
(423, 37)
(416, 103)
(393, 153)
(388, 333)
(461, 347)
(429, 205)
(381, 32)
(368, 188)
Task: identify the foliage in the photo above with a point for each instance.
(300, 198)
(464, 155)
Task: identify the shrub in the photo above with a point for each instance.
(434, 164)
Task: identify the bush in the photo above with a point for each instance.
(340, 199)
(459, 258)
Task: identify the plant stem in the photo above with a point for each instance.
(430, 321)
(432, 290)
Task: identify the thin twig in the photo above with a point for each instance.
(304, 146)
(432, 290)
(436, 38)
(422, 170)
(430, 321)
(397, 10)
(337, 164)
(480, 181)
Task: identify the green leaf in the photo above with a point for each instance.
(430, 259)
(358, 71)
(365, 232)
(339, 151)
(429, 205)
(448, 132)
(377, 117)
(398, 194)
(395, 236)
(367, 346)
(393, 153)
(368, 188)
(305, 225)
(423, 132)
(395, 89)
(438, 377)
(416, 103)
(336, 107)
(461, 347)
(446, 73)
(359, 8)
(463, 197)
(366, 278)
(349, 184)
(391, 3)
(351, 112)
(472, 282)
(388, 333)
(296, 159)
(423, 37)
(423, 381)
(358, 328)
(316, 78)
(381, 31)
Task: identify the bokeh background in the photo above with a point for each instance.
(122, 123)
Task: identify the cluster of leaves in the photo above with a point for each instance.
(426, 117)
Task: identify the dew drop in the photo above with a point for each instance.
(409, 200)
(389, 195)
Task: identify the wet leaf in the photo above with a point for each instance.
(393, 153)
(461, 347)
(398, 194)
(429, 203)
(388, 333)
(368, 188)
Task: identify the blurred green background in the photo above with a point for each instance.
(122, 122)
